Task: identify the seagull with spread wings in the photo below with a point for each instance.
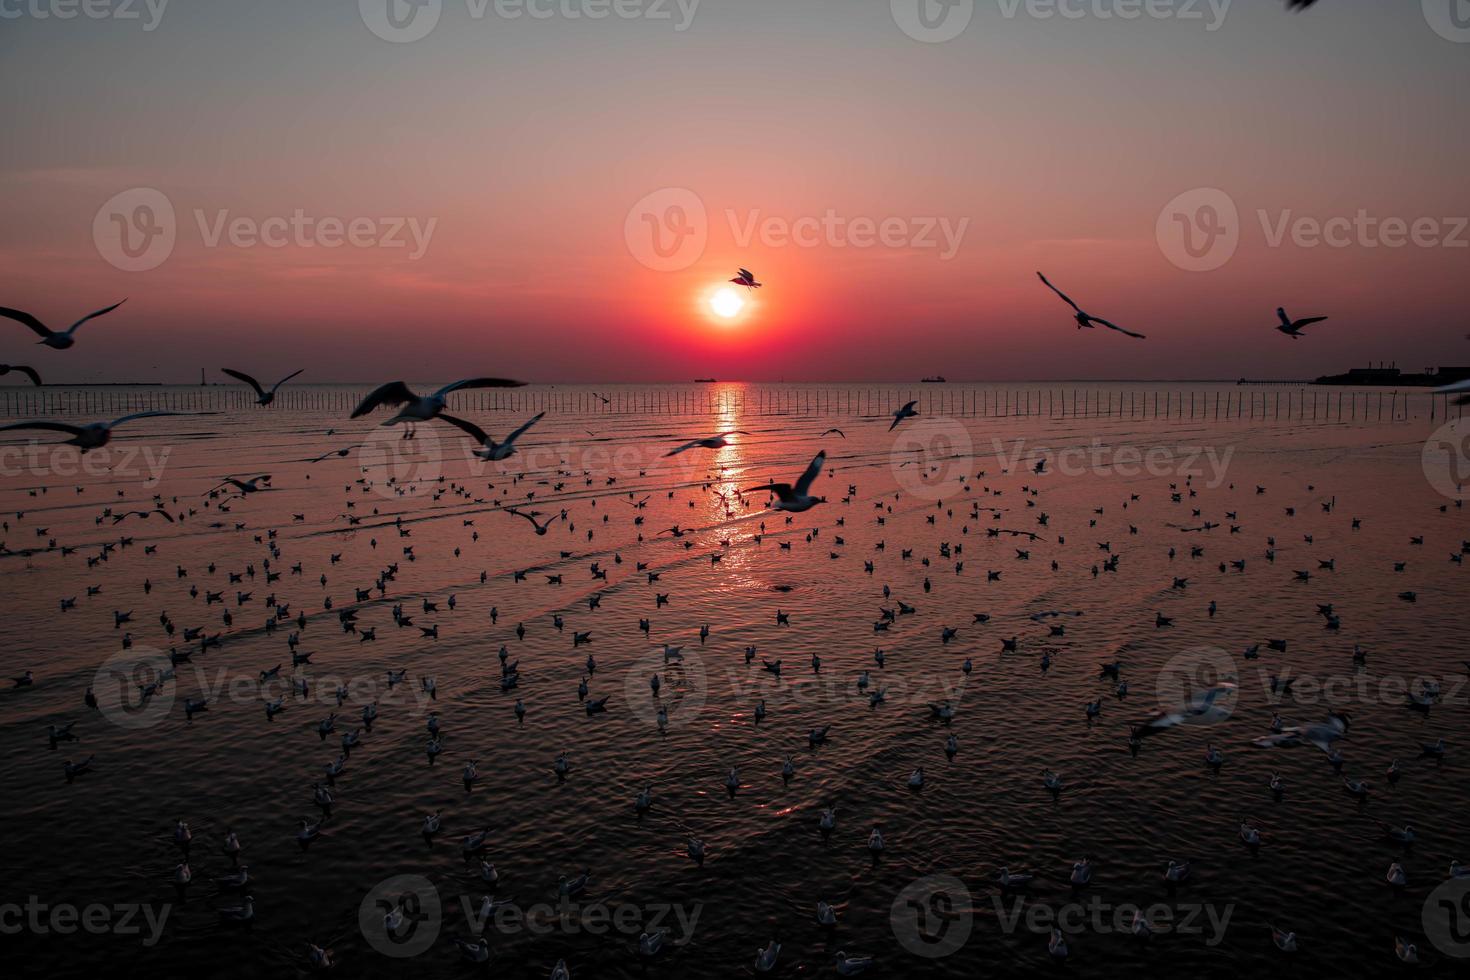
(93, 435)
(418, 408)
(797, 498)
(717, 441)
(1086, 320)
(263, 397)
(746, 279)
(1293, 328)
(29, 372)
(488, 448)
(57, 340)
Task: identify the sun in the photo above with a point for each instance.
(727, 303)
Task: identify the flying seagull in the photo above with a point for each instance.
(1293, 328)
(746, 279)
(797, 498)
(1086, 320)
(713, 442)
(422, 408)
(93, 435)
(907, 412)
(488, 448)
(49, 337)
(1461, 388)
(263, 397)
(27, 371)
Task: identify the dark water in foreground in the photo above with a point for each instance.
(106, 839)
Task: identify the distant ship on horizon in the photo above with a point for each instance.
(937, 379)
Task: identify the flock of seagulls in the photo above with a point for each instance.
(573, 506)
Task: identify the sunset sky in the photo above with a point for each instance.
(531, 153)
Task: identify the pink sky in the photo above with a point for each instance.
(1055, 144)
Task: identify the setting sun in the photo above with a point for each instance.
(727, 303)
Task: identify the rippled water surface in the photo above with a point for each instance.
(930, 506)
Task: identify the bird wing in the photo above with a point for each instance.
(392, 393)
(23, 317)
(48, 426)
(469, 428)
(105, 309)
(680, 449)
(29, 372)
(141, 415)
(522, 430)
(1065, 298)
(747, 273)
(480, 383)
(1308, 321)
(805, 483)
(838, 431)
(1113, 326)
(242, 376)
(285, 379)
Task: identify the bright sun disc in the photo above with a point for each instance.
(726, 303)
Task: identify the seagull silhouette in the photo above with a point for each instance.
(1293, 328)
(1084, 319)
(263, 397)
(51, 338)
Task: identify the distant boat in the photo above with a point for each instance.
(704, 381)
(937, 379)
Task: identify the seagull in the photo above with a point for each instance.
(93, 435)
(27, 371)
(713, 442)
(798, 498)
(422, 408)
(907, 412)
(49, 337)
(1321, 735)
(746, 279)
(540, 528)
(1293, 328)
(489, 449)
(1201, 708)
(1085, 319)
(263, 397)
(1461, 388)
